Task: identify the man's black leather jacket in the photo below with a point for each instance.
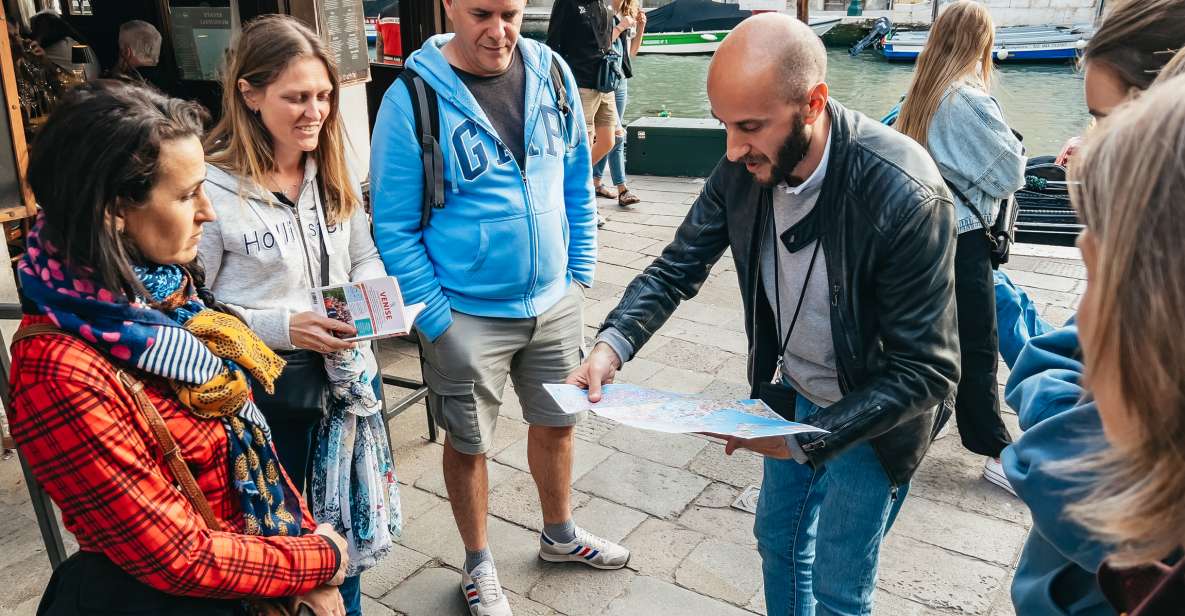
(887, 227)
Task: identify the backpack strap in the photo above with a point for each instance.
(160, 431)
(425, 110)
(557, 84)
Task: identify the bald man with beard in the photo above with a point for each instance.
(843, 235)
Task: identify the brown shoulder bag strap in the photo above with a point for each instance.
(164, 438)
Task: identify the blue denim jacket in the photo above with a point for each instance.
(976, 152)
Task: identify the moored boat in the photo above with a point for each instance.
(1013, 43)
(699, 26)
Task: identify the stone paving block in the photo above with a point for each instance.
(509, 431)
(1055, 267)
(516, 500)
(398, 565)
(721, 389)
(616, 256)
(372, 607)
(1034, 280)
(659, 490)
(658, 546)
(887, 604)
(718, 496)
(415, 502)
(608, 520)
(578, 590)
(1058, 315)
(687, 355)
(415, 459)
(650, 198)
(670, 449)
(647, 595)
(622, 241)
(637, 370)
(24, 578)
(522, 606)
(659, 220)
(1069, 253)
(725, 523)
(683, 329)
(433, 479)
(709, 314)
(741, 469)
(1055, 298)
(663, 234)
(595, 312)
(944, 525)
(938, 579)
(585, 456)
(679, 380)
(409, 428)
(594, 427)
(615, 274)
(435, 591)
(722, 570)
(515, 549)
(953, 475)
(757, 603)
(735, 369)
(602, 290)
(628, 228)
(20, 537)
(28, 608)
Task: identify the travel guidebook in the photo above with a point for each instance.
(373, 307)
(652, 409)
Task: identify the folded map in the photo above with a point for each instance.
(652, 409)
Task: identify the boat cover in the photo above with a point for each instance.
(694, 16)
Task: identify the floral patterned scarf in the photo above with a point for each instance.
(203, 354)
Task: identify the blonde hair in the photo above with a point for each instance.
(1129, 178)
(631, 7)
(1175, 67)
(960, 41)
(240, 143)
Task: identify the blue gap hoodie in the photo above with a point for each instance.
(509, 240)
(1056, 573)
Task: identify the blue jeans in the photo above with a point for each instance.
(351, 591)
(616, 156)
(819, 531)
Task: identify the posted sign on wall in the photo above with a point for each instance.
(343, 27)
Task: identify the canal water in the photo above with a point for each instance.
(1043, 102)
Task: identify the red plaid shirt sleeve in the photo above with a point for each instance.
(87, 446)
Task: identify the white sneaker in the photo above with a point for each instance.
(587, 548)
(993, 471)
(483, 591)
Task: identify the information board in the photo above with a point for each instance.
(343, 27)
(201, 36)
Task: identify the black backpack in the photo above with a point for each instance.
(425, 110)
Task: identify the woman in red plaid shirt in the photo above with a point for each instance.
(107, 264)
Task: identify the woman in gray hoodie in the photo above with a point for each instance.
(290, 218)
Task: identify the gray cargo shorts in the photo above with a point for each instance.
(466, 369)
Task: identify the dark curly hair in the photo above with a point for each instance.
(96, 157)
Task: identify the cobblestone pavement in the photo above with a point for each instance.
(952, 551)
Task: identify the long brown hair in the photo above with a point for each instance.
(1137, 38)
(240, 143)
(960, 41)
(1127, 185)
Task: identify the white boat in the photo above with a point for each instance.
(707, 41)
(699, 26)
(1013, 43)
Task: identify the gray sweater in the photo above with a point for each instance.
(262, 257)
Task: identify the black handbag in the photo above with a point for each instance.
(609, 76)
(301, 391)
(1000, 234)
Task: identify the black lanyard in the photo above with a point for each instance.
(777, 377)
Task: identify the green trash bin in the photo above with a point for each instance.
(674, 146)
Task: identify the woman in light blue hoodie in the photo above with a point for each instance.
(949, 111)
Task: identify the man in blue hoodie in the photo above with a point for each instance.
(501, 266)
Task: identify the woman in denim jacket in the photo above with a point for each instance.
(949, 111)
